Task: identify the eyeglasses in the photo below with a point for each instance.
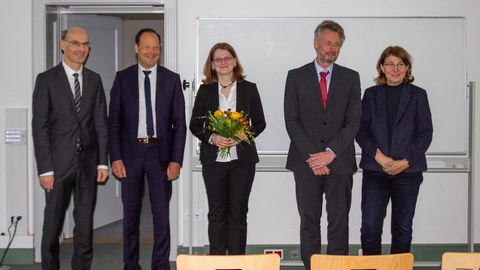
(78, 44)
(331, 44)
(399, 66)
(219, 60)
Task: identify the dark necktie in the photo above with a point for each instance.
(148, 104)
(323, 87)
(78, 94)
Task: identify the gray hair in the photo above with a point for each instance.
(332, 26)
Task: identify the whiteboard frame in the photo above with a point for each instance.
(458, 153)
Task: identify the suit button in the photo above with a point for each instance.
(324, 123)
(322, 141)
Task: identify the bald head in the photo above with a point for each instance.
(75, 47)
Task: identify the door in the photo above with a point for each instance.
(105, 34)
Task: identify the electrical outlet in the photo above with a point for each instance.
(294, 254)
(274, 251)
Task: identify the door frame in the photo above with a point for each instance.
(36, 194)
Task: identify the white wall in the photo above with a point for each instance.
(17, 78)
(16, 82)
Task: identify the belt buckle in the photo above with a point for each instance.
(143, 140)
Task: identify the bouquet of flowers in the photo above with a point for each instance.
(230, 124)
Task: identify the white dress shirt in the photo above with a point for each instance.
(225, 104)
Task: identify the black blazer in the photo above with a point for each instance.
(248, 100)
(56, 125)
(312, 128)
(412, 131)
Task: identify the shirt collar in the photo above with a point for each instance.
(70, 71)
(320, 69)
(153, 69)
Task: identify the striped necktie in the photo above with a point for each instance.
(78, 94)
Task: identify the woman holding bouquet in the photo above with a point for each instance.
(395, 132)
(228, 163)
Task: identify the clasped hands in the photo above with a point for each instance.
(222, 142)
(389, 165)
(318, 162)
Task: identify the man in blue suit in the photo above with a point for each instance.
(146, 137)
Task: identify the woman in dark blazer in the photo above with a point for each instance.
(395, 132)
(228, 179)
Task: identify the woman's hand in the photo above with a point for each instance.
(221, 142)
(395, 167)
(382, 159)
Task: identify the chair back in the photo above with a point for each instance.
(228, 262)
(372, 262)
(460, 261)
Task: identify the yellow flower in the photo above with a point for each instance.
(218, 113)
(235, 115)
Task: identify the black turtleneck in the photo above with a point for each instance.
(392, 98)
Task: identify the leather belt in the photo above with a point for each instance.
(147, 140)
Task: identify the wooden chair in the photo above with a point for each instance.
(460, 261)
(230, 262)
(373, 262)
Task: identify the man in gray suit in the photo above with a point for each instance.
(70, 137)
(322, 109)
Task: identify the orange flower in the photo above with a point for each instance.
(235, 115)
(218, 113)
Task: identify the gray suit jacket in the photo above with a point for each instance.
(312, 128)
(56, 125)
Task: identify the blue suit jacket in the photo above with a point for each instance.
(412, 131)
(124, 115)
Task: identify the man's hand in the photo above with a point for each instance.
(173, 171)
(46, 182)
(118, 169)
(102, 175)
(321, 171)
(320, 159)
(396, 166)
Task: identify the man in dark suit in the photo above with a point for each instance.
(322, 128)
(147, 132)
(70, 136)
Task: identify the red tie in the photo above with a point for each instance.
(323, 87)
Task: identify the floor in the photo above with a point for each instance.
(108, 247)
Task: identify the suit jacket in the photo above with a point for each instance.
(312, 128)
(248, 100)
(56, 125)
(124, 114)
(412, 131)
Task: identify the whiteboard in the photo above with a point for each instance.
(268, 47)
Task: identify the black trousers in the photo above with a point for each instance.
(84, 189)
(228, 186)
(310, 190)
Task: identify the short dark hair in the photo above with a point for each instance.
(146, 30)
